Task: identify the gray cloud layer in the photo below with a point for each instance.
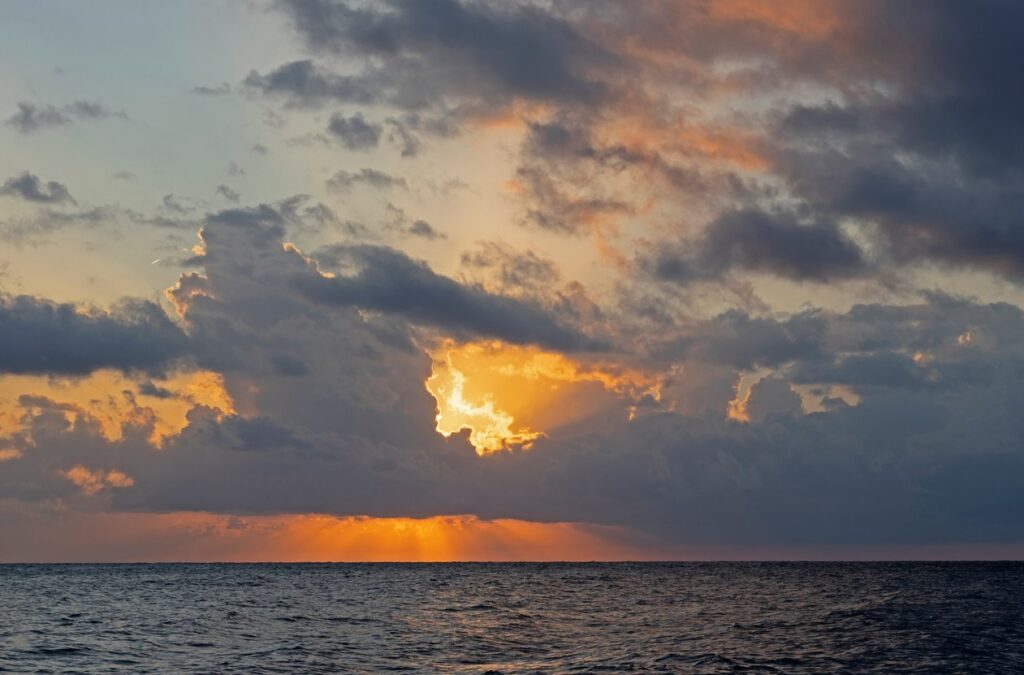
(929, 454)
(39, 337)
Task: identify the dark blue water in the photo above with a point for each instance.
(476, 618)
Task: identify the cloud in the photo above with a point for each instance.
(343, 181)
(423, 229)
(176, 205)
(354, 132)
(388, 281)
(713, 144)
(404, 137)
(418, 55)
(94, 482)
(926, 459)
(41, 337)
(221, 89)
(303, 85)
(918, 151)
(27, 186)
(754, 241)
(31, 117)
(515, 270)
(34, 229)
(916, 213)
(228, 194)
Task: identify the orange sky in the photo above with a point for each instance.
(197, 536)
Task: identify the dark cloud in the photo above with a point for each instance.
(389, 281)
(880, 369)
(228, 194)
(943, 343)
(345, 180)
(736, 339)
(928, 160)
(916, 213)
(556, 139)
(27, 186)
(176, 205)
(220, 90)
(354, 132)
(423, 229)
(958, 96)
(40, 337)
(442, 62)
(302, 214)
(754, 241)
(31, 117)
(453, 48)
(149, 388)
(303, 84)
(402, 136)
(257, 434)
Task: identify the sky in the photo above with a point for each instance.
(467, 280)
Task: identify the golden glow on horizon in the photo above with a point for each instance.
(509, 396)
(202, 536)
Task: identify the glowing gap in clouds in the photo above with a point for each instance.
(508, 396)
(491, 429)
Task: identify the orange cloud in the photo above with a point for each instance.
(93, 482)
(113, 401)
(648, 135)
(738, 408)
(810, 19)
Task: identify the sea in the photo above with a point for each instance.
(513, 618)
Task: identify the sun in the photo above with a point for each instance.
(510, 396)
(490, 428)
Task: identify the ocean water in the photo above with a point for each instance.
(511, 618)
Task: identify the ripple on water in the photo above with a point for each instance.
(701, 618)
